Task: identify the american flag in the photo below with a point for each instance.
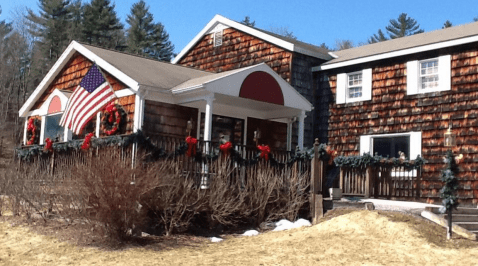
(93, 93)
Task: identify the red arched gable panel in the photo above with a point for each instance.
(263, 87)
(55, 105)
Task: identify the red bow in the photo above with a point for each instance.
(48, 145)
(332, 154)
(225, 148)
(191, 146)
(265, 150)
(110, 108)
(87, 142)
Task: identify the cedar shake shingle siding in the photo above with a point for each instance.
(391, 110)
(238, 50)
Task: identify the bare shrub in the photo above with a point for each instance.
(113, 190)
(176, 199)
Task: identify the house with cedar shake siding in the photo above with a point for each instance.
(224, 44)
(400, 96)
(161, 99)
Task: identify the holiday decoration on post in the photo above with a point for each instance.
(48, 145)
(32, 131)
(191, 146)
(226, 148)
(448, 192)
(265, 150)
(111, 120)
(87, 142)
(332, 154)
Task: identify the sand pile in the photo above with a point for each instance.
(357, 238)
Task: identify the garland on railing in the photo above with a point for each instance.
(368, 160)
(155, 153)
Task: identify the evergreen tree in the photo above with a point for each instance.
(403, 26)
(379, 37)
(5, 28)
(145, 37)
(447, 24)
(50, 28)
(76, 19)
(247, 21)
(100, 24)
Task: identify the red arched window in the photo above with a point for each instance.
(261, 86)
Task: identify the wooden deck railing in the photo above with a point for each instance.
(381, 182)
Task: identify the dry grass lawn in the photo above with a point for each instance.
(354, 238)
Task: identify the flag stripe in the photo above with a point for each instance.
(75, 101)
(91, 109)
(107, 99)
(84, 99)
(70, 103)
(88, 103)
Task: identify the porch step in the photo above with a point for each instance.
(463, 217)
(461, 210)
(470, 226)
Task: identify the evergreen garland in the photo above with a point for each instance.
(156, 153)
(448, 192)
(368, 160)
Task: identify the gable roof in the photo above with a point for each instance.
(402, 46)
(133, 71)
(281, 41)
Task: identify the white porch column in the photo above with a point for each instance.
(289, 133)
(301, 130)
(25, 131)
(208, 118)
(42, 129)
(138, 112)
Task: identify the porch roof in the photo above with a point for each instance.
(229, 84)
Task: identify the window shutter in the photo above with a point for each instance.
(444, 72)
(365, 145)
(340, 90)
(218, 38)
(367, 84)
(412, 77)
(415, 145)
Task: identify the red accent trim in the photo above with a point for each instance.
(261, 86)
(55, 105)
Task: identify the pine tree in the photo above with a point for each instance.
(447, 24)
(247, 21)
(145, 37)
(50, 28)
(403, 26)
(5, 28)
(101, 25)
(379, 37)
(76, 19)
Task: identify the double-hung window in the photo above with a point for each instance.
(429, 75)
(354, 86)
(395, 145)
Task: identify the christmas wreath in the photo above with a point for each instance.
(112, 118)
(32, 131)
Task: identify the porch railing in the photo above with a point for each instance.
(381, 182)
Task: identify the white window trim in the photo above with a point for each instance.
(342, 94)
(444, 76)
(366, 142)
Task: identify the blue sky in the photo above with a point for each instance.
(311, 21)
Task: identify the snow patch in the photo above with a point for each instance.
(251, 233)
(216, 239)
(286, 225)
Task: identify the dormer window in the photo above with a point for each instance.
(217, 38)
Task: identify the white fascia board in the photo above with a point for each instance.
(124, 93)
(59, 64)
(62, 61)
(413, 50)
(233, 24)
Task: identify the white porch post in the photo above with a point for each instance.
(208, 118)
(25, 131)
(42, 129)
(301, 130)
(290, 123)
(207, 138)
